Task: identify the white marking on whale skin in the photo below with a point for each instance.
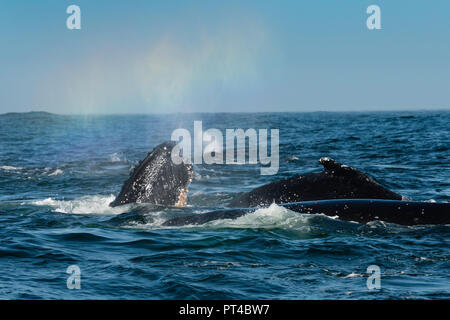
(182, 198)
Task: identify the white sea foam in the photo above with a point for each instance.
(10, 168)
(273, 216)
(117, 157)
(57, 172)
(97, 204)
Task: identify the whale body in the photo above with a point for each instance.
(407, 213)
(339, 191)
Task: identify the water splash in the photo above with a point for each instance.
(96, 204)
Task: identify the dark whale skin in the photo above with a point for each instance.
(336, 181)
(407, 213)
(156, 179)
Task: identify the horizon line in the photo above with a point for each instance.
(226, 112)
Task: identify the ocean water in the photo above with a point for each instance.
(58, 173)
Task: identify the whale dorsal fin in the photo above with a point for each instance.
(334, 167)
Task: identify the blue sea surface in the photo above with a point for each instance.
(58, 174)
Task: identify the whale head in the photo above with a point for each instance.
(157, 180)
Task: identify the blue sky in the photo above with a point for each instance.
(223, 56)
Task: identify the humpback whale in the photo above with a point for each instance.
(338, 191)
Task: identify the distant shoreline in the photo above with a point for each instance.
(256, 112)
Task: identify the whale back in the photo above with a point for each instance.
(336, 181)
(157, 180)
